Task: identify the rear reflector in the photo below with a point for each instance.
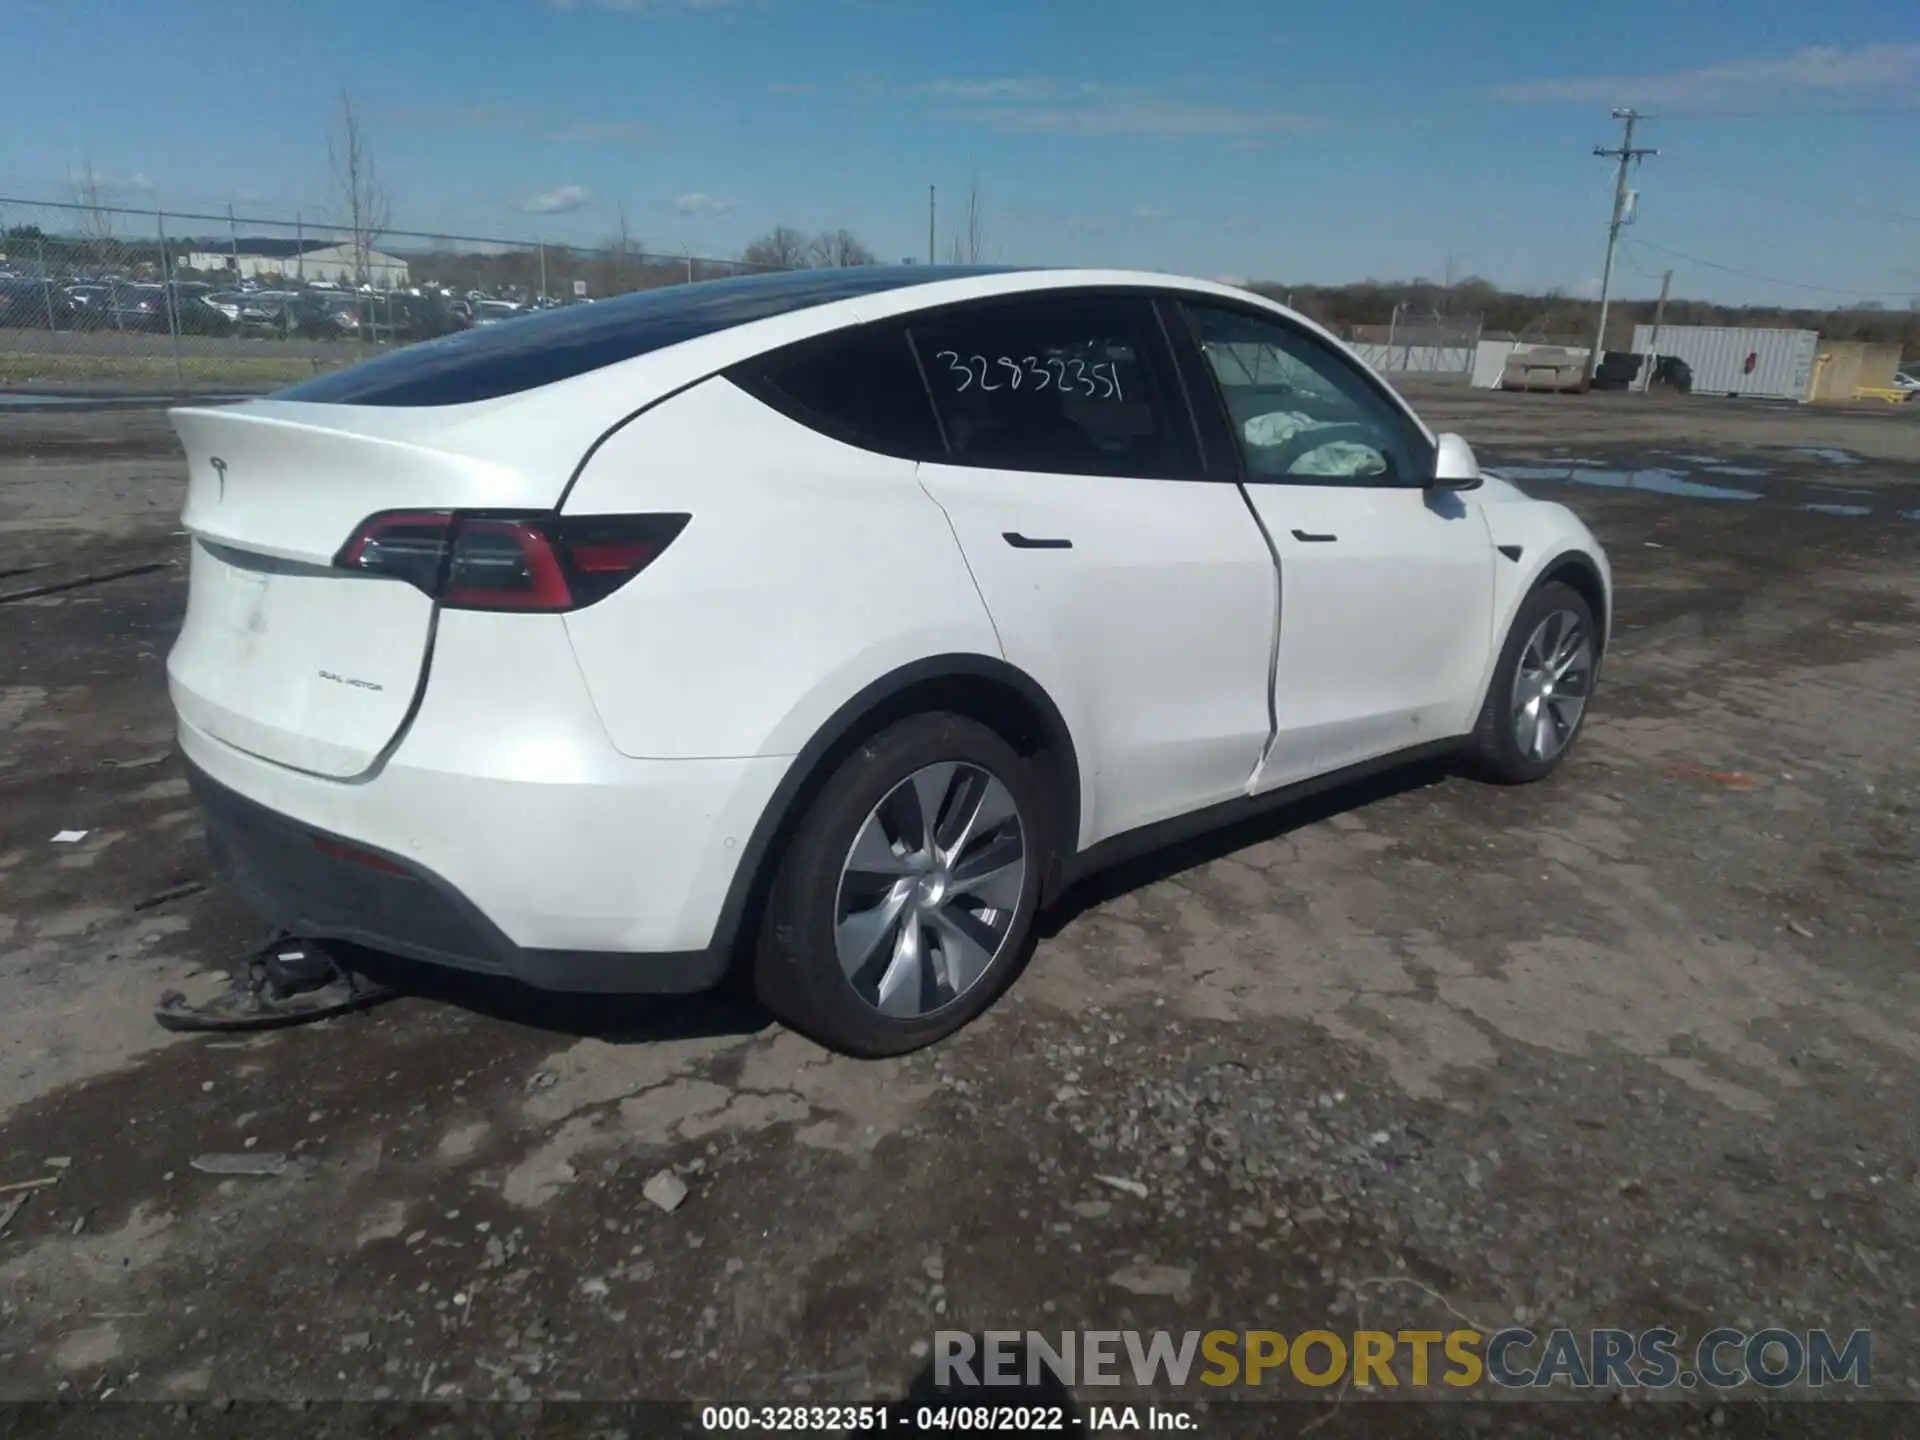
(355, 856)
(536, 562)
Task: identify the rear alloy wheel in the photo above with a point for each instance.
(907, 895)
(1541, 687)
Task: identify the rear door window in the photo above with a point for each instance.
(1067, 384)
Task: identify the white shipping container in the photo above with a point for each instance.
(1729, 360)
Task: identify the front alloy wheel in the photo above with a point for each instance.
(1551, 685)
(1541, 687)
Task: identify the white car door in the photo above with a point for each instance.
(1141, 596)
(1386, 609)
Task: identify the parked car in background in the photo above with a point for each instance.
(404, 318)
(492, 312)
(30, 304)
(266, 313)
(326, 315)
(1907, 381)
(145, 308)
(89, 305)
(1670, 372)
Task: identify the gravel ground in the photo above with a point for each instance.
(1633, 1047)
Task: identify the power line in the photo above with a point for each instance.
(1764, 279)
(1643, 274)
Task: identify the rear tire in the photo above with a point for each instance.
(1541, 689)
(875, 941)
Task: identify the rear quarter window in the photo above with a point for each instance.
(859, 386)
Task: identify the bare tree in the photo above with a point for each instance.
(971, 244)
(356, 181)
(94, 218)
(838, 250)
(622, 250)
(781, 248)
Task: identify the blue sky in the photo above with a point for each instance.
(1311, 143)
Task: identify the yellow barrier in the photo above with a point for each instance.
(1879, 392)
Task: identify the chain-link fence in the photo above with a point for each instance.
(1426, 342)
(124, 298)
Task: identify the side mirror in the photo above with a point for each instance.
(1454, 465)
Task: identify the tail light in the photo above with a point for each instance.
(539, 562)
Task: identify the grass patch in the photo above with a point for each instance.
(247, 372)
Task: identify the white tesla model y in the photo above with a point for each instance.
(834, 621)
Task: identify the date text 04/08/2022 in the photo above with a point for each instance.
(988, 1419)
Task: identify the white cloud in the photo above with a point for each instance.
(1832, 71)
(468, 117)
(1039, 105)
(520, 118)
(698, 202)
(1149, 213)
(596, 131)
(1139, 117)
(110, 184)
(562, 201)
(641, 7)
(1006, 88)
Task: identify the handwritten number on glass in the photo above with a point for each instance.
(953, 364)
(1099, 381)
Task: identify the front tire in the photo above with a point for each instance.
(1541, 688)
(905, 899)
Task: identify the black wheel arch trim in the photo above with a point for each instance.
(738, 911)
(1579, 560)
(1557, 568)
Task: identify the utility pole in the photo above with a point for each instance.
(1653, 344)
(1626, 155)
(930, 258)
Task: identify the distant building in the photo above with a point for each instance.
(258, 258)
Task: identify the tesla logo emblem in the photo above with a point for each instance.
(220, 469)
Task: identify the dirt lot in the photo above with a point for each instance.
(1637, 1046)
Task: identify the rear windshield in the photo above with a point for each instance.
(542, 347)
